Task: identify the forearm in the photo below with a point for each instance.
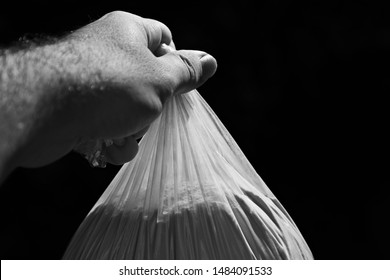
(34, 83)
(107, 80)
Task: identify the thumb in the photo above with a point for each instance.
(188, 69)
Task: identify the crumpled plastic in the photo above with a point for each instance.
(190, 193)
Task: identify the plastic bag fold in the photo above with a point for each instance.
(190, 193)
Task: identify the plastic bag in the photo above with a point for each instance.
(190, 193)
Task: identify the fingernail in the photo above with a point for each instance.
(209, 65)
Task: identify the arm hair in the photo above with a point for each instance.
(34, 82)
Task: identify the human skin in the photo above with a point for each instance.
(107, 80)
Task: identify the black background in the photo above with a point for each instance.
(301, 86)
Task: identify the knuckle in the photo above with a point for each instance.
(192, 71)
(113, 15)
(152, 22)
(116, 14)
(121, 18)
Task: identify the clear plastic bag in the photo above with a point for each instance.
(190, 193)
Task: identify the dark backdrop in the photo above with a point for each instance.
(301, 86)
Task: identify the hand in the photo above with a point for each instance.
(116, 77)
(146, 73)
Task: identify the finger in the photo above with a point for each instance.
(157, 33)
(122, 151)
(172, 45)
(153, 31)
(140, 133)
(188, 69)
